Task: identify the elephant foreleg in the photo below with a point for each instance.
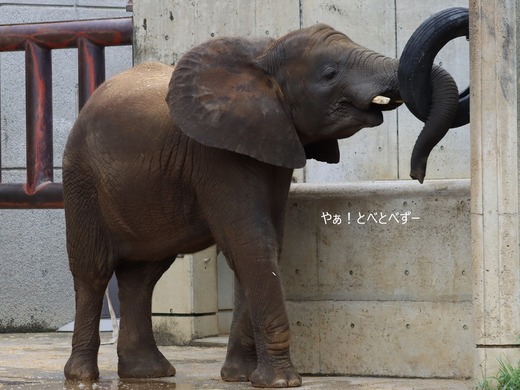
(246, 220)
(270, 327)
(138, 354)
(241, 356)
(257, 273)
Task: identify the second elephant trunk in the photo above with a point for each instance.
(443, 109)
(444, 106)
(430, 92)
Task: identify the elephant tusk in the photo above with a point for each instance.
(381, 100)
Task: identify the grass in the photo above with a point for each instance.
(507, 378)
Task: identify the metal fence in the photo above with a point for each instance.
(90, 37)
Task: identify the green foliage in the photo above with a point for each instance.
(507, 378)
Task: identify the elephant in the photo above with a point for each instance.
(164, 160)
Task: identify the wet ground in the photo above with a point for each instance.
(35, 361)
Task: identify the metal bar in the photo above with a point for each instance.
(38, 97)
(91, 67)
(48, 196)
(61, 35)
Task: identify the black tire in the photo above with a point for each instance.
(415, 64)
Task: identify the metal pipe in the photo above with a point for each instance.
(91, 67)
(38, 97)
(14, 196)
(62, 35)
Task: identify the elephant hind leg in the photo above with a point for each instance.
(82, 363)
(138, 354)
(241, 358)
(92, 264)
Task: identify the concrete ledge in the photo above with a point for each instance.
(372, 291)
(383, 188)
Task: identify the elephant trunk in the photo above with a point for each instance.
(390, 67)
(442, 110)
(430, 92)
(389, 82)
(444, 107)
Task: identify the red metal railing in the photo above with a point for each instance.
(38, 40)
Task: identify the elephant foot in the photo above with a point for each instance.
(143, 364)
(238, 370)
(269, 376)
(81, 368)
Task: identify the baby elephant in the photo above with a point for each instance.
(163, 161)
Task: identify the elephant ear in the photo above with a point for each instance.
(218, 97)
(326, 150)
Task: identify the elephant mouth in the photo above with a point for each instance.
(378, 104)
(373, 116)
(368, 113)
(386, 102)
(375, 107)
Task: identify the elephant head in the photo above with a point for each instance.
(283, 101)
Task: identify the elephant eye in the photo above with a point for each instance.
(329, 73)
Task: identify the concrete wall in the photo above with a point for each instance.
(35, 284)
(495, 182)
(380, 292)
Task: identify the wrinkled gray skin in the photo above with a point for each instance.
(146, 179)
